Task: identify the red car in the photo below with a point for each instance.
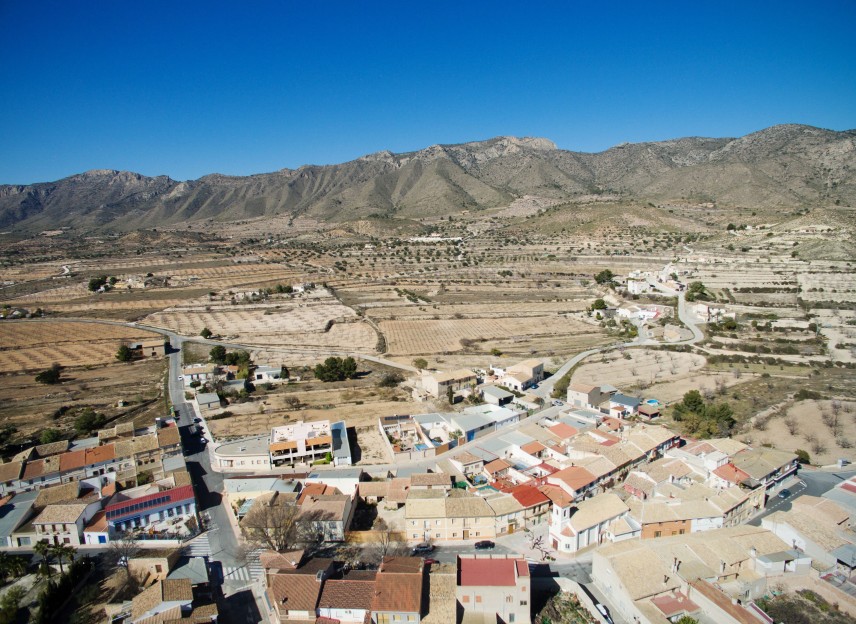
(429, 561)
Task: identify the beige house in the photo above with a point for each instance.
(63, 523)
(432, 515)
(438, 384)
(494, 588)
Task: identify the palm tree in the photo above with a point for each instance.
(45, 551)
(63, 551)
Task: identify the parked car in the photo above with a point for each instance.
(429, 561)
(604, 612)
(484, 545)
(423, 548)
(784, 493)
(558, 403)
(203, 440)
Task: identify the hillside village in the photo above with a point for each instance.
(535, 482)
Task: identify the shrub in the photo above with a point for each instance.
(51, 375)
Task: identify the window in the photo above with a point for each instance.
(658, 533)
(523, 603)
(454, 535)
(397, 618)
(510, 618)
(416, 536)
(465, 599)
(478, 599)
(158, 568)
(509, 599)
(437, 535)
(411, 618)
(681, 532)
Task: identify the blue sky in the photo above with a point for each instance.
(188, 88)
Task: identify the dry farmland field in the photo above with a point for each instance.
(35, 345)
(30, 406)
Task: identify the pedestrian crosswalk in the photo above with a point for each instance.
(251, 571)
(199, 547)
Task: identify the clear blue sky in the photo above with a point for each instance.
(187, 88)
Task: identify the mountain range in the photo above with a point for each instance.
(787, 166)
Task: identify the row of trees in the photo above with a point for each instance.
(336, 369)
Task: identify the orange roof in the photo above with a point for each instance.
(99, 454)
(731, 473)
(497, 465)
(564, 431)
(575, 477)
(533, 447)
(556, 494)
(315, 489)
(72, 460)
(34, 469)
(98, 524)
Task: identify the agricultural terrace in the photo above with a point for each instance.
(35, 345)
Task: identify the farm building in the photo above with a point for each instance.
(149, 348)
(208, 401)
(438, 384)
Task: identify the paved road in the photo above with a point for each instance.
(812, 483)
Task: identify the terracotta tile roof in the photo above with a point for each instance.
(10, 471)
(731, 473)
(99, 454)
(403, 565)
(490, 572)
(347, 594)
(575, 477)
(533, 447)
(564, 431)
(98, 523)
(675, 603)
(314, 489)
(557, 495)
(497, 465)
(271, 560)
(398, 592)
(295, 592)
(72, 460)
(740, 615)
(34, 469)
(529, 496)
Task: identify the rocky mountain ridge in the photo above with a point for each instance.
(787, 166)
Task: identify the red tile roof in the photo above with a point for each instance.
(174, 495)
(295, 592)
(497, 465)
(100, 454)
(489, 572)
(347, 594)
(529, 496)
(315, 489)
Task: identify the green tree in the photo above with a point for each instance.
(124, 354)
(51, 375)
(420, 363)
(803, 457)
(63, 552)
(206, 333)
(604, 277)
(50, 435)
(693, 402)
(218, 354)
(336, 369)
(10, 604)
(686, 619)
(43, 549)
(599, 304)
(97, 282)
(88, 421)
